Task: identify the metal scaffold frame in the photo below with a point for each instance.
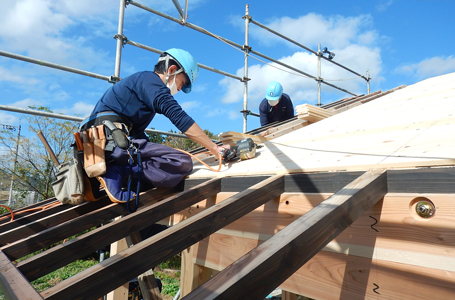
(246, 49)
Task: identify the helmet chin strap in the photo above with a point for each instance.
(166, 58)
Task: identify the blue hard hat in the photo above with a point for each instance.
(274, 91)
(188, 63)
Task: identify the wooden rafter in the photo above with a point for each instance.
(142, 257)
(13, 284)
(271, 263)
(109, 233)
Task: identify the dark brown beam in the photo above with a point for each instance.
(77, 225)
(113, 272)
(19, 213)
(13, 284)
(65, 253)
(264, 268)
(437, 180)
(48, 218)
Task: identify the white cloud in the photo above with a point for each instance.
(44, 29)
(383, 5)
(26, 103)
(8, 119)
(302, 89)
(350, 38)
(234, 115)
(188, 105)
(311, 29)
(429, 67)
(79, 109)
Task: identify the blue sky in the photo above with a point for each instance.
(397, 41)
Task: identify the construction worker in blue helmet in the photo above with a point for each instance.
(131, 104)
(276, 106)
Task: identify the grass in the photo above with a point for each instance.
(168, 272)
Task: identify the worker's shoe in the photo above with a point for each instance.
(112, 183)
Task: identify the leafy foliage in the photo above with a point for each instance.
(184, 143)
(34, 169)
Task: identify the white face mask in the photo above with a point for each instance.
(172, 87)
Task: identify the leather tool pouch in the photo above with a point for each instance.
(94, 142)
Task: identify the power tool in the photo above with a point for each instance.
(244, 149)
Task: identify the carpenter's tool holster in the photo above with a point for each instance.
(94, 142)
(98, 138)
(101, 133)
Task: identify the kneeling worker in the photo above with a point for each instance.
(131, 104)
(276, 106)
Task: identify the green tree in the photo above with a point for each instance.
(185, 143)
(35, 169)
(156, 137)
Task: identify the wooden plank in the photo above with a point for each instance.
(391, 132)
(147, 281)
(165, 244)
(34, 216)
(334, 276)
(192, 275)
(236, 136)
(121, 292)
(22, 213)
(109, 233)
(272, 262)
(77, 225)
(63, 214)
(13, 284)
(401, 236)
(283, 129)
(423, 180)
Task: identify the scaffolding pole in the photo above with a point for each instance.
(306, 48)
(75, 119)
(55, 66)
(246, 48)
(151, 49)
(120, 40)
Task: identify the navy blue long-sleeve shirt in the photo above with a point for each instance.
(284, 110)
(138, 98)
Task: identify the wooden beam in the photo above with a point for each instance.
(109, 233)
(141, 257)
(437, 180)
(74, 226)
(121, 292)
(54, 217)
(231, 137)
(261, 270)
(147, 281)
(192, 275)
(13, 284)
(23, 211)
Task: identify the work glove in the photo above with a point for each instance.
(112, 181)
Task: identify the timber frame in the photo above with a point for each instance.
(262, 269)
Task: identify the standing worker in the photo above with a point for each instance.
(276, 106)
(130, 105)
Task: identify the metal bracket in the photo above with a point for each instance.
(246, 48)
(245, 79)
(121, 37)
(113, 79)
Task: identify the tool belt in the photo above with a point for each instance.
(98, 134)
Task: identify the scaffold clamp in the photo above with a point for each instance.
(121, 37)
(113, 79)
